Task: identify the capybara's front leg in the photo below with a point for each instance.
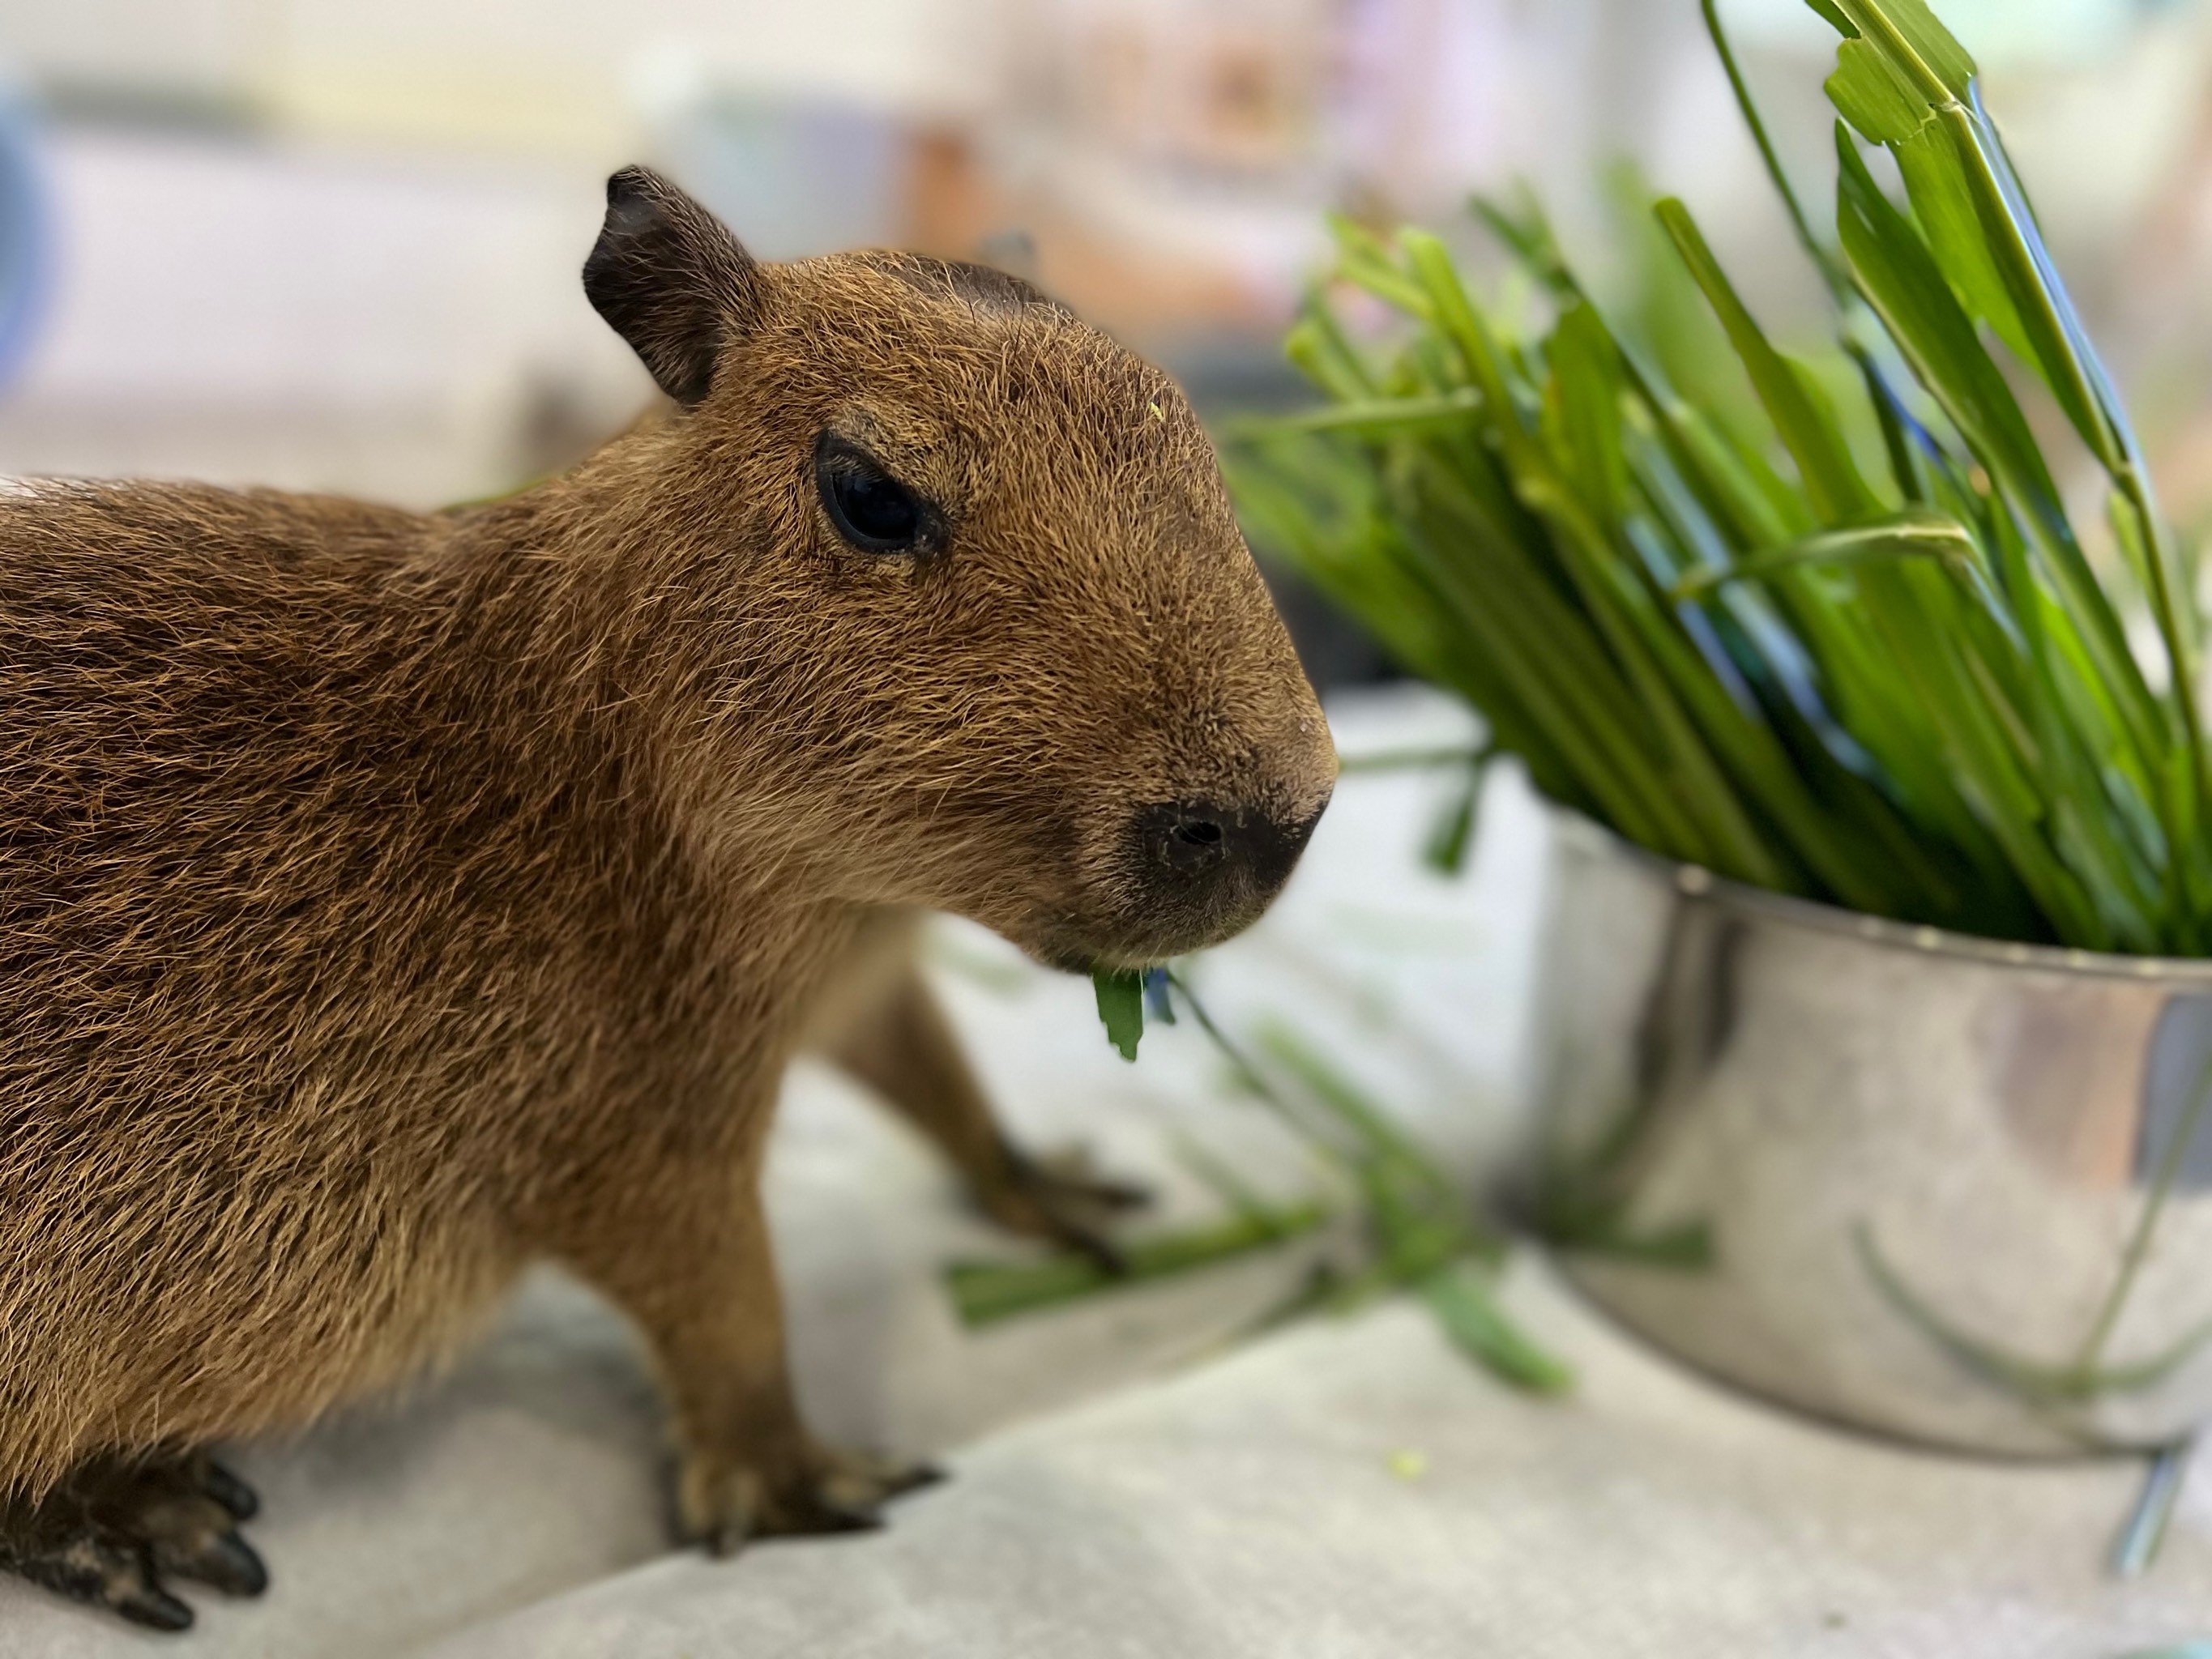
(880, 1023)
(695, 1271)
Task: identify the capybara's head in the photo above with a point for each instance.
(980, 631)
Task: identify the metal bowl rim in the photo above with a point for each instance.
(1700, 885)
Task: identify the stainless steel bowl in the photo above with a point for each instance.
(1952, 1190)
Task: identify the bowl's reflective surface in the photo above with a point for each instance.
(1954, 1190)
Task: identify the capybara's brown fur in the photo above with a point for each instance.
(389, 900)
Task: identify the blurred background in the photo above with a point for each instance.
(332, 245)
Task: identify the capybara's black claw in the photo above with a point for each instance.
(1062, 1199)
(227, 1490)
(150, 1605)
(824, 1492)
(107, 1534)
(920, 1478)
(221, 1559)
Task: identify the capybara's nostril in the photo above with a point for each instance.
(1183, 839)
(1198, 832)
(1185, 845)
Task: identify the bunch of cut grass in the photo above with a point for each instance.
(1889, 676)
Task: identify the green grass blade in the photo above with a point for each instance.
(1120, 997)
(1907, 536)
(984, 1293)
(1832, 483)
(1470, 1316)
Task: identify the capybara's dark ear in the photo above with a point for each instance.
(670, 278)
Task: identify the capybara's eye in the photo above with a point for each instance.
(871, 509)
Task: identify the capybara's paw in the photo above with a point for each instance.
(1062, 1199)
(108, 1533)
(727, 1506)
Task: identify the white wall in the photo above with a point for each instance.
(312, 318)
(563, 75)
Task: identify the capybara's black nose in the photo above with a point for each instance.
(1189, 847)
